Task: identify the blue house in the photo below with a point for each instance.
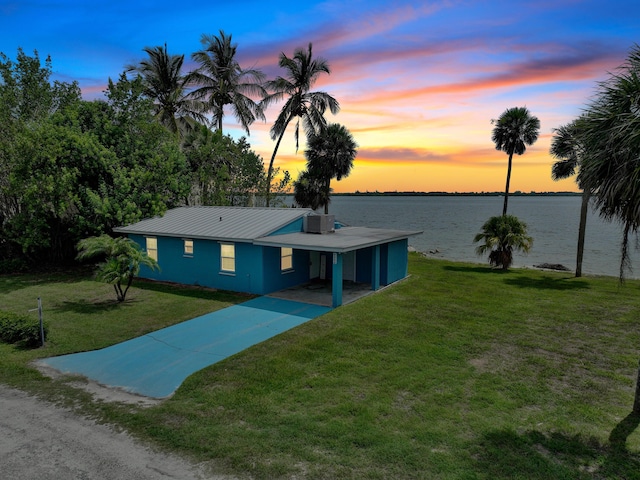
(264, 250)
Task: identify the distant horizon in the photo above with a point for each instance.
(517, 193)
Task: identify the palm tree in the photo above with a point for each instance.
(514, 130)
(502, 235)
(309, 191)
(302, 71)
(330, 154)
(610, 130)
(223, 82)
(566, 147)
(164, 83)
(122, 260)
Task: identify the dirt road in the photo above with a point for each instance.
(41, 441)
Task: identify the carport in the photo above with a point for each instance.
(384, 253)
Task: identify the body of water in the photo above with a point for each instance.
(449, 224)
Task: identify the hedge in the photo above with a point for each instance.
(20, 329)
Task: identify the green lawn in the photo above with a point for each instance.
(457, 372)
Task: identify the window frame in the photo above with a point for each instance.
(286, 255)
(152, 252)
(188, 247)
(229, 258)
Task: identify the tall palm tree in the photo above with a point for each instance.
(610, 130)
(514, 130)
(501, 236)
(611, 163)
(302, 71)
(330, 154)
(164, 83)
(567, 147)
(222, 82)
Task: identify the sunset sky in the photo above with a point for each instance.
(418, 82)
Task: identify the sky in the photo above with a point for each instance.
(418, 81)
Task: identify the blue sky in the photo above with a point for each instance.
(418, 82)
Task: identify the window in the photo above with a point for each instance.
(286, 258)
(152, 248)
(188, 248)
(228, 257)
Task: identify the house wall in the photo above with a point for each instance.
(275, 279)
(293, 227)
(394, 259)
(257, 269)
(364, 262)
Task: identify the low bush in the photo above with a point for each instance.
(20, 329)
(13, 265)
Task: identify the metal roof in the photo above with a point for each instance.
(219, 223)
(343, 240)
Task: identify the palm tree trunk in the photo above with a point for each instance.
(326, 198)
(506, 188)
(273, 157)
(586, 194)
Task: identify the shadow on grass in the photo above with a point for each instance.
(88, 307)
(17, 281)
(626, 427)
(478, 269)
(534, 455)
(517, 279)
(191, 291)
(547, 283)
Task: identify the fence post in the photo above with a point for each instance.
(41, 323)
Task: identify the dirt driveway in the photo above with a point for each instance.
(40, 440)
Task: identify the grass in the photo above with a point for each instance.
(457, 372)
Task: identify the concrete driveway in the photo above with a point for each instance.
(156, 364)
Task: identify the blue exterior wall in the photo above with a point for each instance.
(257, 269)
(395, 261)
(364, 262)
(275, 279)
(293, 227)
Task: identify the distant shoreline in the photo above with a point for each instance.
(457, 194)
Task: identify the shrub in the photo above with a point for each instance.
(13, 265)
(20, 329)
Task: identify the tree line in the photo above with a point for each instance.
(72, 168)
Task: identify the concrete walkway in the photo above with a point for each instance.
(156, 364)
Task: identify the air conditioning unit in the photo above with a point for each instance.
(319, 223)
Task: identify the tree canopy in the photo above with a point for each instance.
(301, 72)
(610, 133)
(330, 154)
(220, 81)
(80, 168)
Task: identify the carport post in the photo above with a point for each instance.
(375, 268)
(336, 280)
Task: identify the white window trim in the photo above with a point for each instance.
(185, 247)
(284, 269)
(223, 270)
(152, 252)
